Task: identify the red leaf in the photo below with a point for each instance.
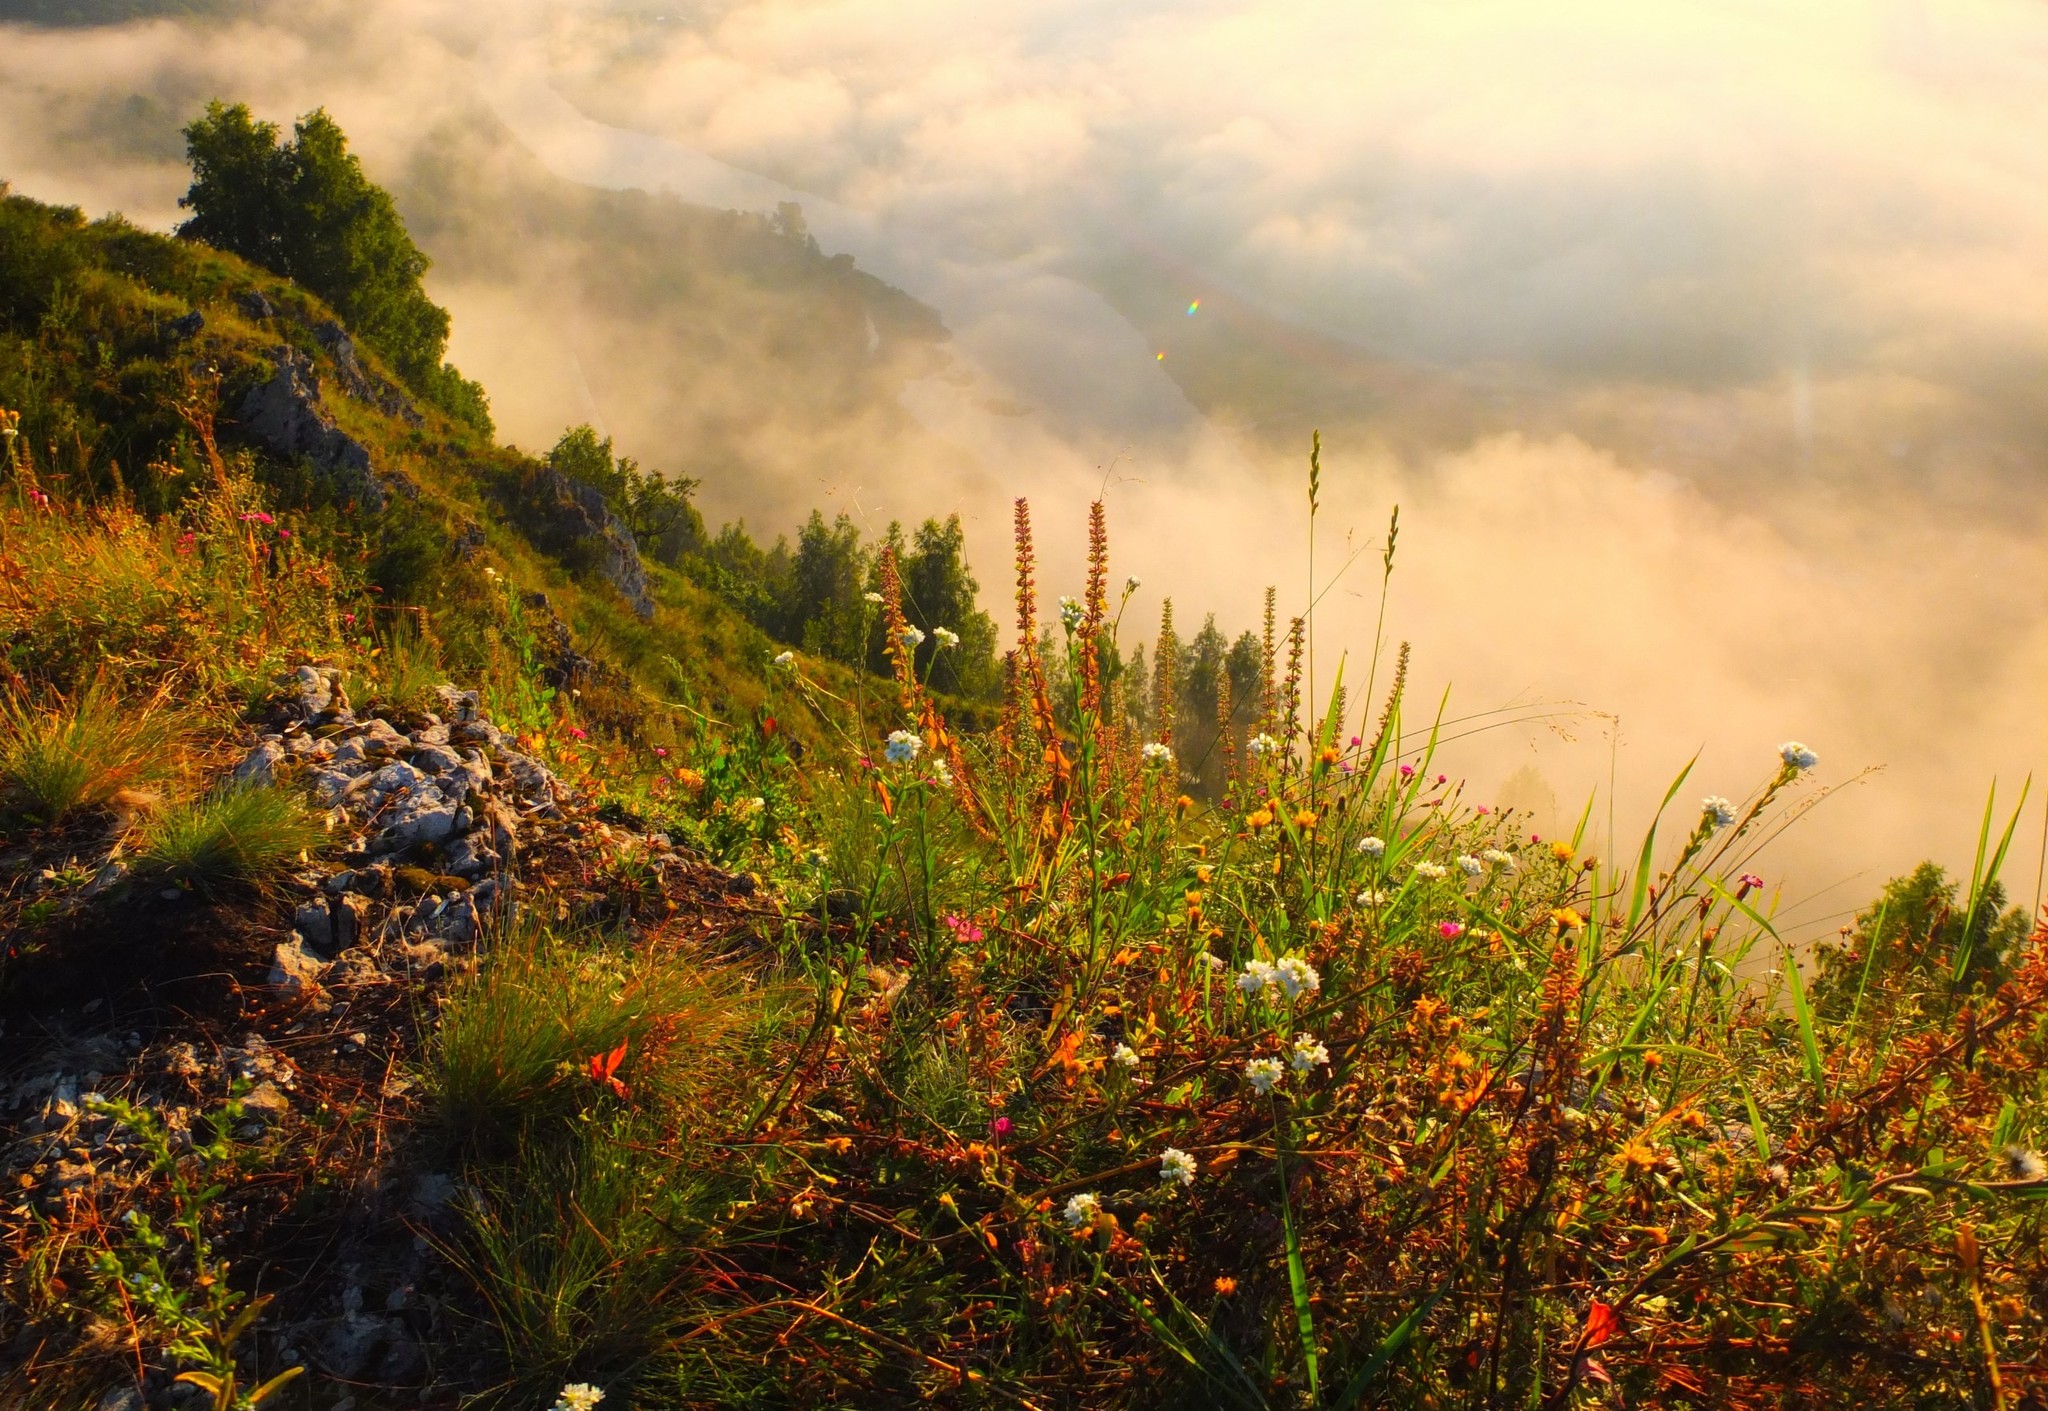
(1601, 1324)
(605, 1066)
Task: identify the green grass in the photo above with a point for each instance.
(58, 756)
(231, 836)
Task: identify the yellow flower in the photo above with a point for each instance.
(1304, 820)
(1330, 754)
(1567, 919)
(1561, 851)
(1260, 821)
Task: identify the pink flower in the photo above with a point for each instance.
(660, 753)
(966, 930)
(257, 516)
(1535, 837)
(578, 734)
(1483, 810)
(1449, 930)
(348, 619)
(1001, 1126)
(284, 533)
(1407, 771)
(1356, 742)
(1440, 778)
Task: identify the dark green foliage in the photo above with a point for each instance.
(824, 612)
(939, 591)
(1909, 939)
(305, 210)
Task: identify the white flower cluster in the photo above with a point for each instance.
(1717, 812)
(1082, 1210)
(911, 638)
(945, 637)
(1292, 976)
(1157, 754)
(1470, 865)
(1125, 1056)
(1431, 871)
(1372, 847)
(872, 597)
(902, 747)
(1263, 1073)
(1308, 1054)
(577, 1396)
(942, 772)
(786, 660)
(1070, 614)
(1259, 746)
(1131, 585)
(1176, 1168)
(1494, 857)
(1797, 755)
(1371, 896)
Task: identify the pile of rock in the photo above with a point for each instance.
(434, 815)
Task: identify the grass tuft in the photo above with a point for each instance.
(58, 756)
(233, 836)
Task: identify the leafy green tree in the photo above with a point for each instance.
(940, 592)
(305, 210)
(822, 610)
(1915, 942)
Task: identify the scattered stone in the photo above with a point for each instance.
(259, 768)
(266, 1103)
(187, 326)
(252, 303)
(294, 968)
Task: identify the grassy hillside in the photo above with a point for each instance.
(452, 961)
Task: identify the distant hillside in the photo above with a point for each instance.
(78, 13)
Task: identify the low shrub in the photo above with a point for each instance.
(58, 756)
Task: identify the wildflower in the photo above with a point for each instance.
(945, 637)
(1407, 771)
(577, 1396)
(660, 753)
(1225, 1286)
(966, 930)
(1304, 819)
(872, 597)
(2023, 1164)
(1372, 847)
(1567, 919)
(1470, 865)
(1262, 1074)
(1125, 1056)
(1132, 585)
(911, 638)
(942, 773)
(1258, 974)
(1717, 812)
(1082, 1210)
(1259, 746)
(817, 857)
(1156, 753)
(1450, 930)
(576, 733)
(1176, 1168)
(1308, 1054)
(1431, 871)
(1797, 756)
(1001, 1126)
(1371, 896)
(902, 747)
(1260, 821)
(1296, 977)
(786, 660)
(1070, 614)
(1494, 857)
(490, 572)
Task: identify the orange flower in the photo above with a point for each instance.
(1304, 820)
(1259, 822)
(1225, 1286)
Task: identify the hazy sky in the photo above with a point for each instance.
(1705, 346)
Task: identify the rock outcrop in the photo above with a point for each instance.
(571, 519)
(285, 414)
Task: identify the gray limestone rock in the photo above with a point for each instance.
(258, 768)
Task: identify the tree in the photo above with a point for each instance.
(304, 209)
(823, 612)
(939, 591)
(1914, 941)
